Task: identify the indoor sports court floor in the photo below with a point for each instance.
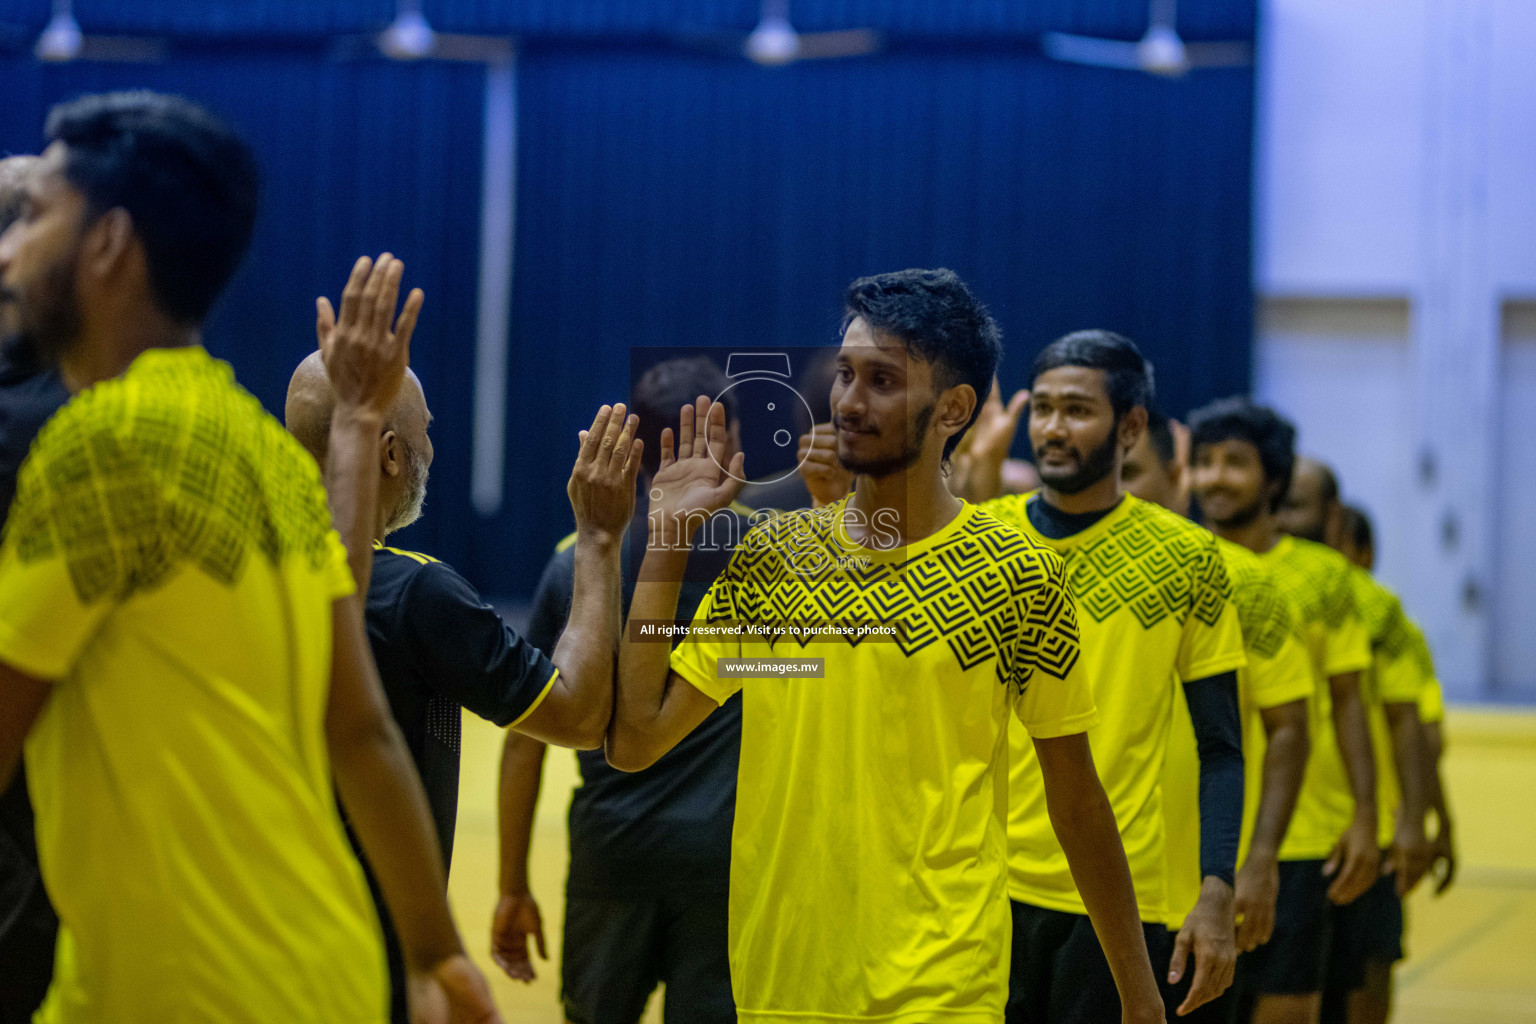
(1472, 952)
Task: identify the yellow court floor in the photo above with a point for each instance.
(1472, 952)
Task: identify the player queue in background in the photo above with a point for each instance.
(867, 863)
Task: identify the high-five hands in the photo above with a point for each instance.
(365, 357)
(689, 483)
(602, 486)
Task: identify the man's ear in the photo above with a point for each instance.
(956, 407)
(108, 243)
(389, 454)
(1132, 425)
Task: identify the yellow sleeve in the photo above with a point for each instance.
(1049, 673)
(1348, 644)
(338, 571)
(1431, 702)
(695, 658)
(1213, 634)
(85, 532)
(1281, 678)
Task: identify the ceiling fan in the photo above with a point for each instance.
(775, 41)
(1159, 52)
(410, 37)
(62, 40)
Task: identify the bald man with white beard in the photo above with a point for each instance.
(438, 645)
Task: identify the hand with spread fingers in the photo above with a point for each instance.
(824, 476)
(690, 484)
(602, 485)
(367, 348)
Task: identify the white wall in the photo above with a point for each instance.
(1396, 160)
(1514, 609)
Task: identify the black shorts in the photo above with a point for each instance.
(1367, 931)
(1058, 973)
(1295, 959)
(618, 949)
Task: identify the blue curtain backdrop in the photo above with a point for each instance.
(672, 200)
(668, 198)
(356, 158)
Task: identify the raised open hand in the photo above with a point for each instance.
(690, 485)
(367, 349)
(602, 485)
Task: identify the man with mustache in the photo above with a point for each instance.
(1272, 690)
(1157, 614)
(869, 854)
(1242, 460)
(30, 392)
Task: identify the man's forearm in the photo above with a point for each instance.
(1434, 786)
(1408, 756)
(644, 666)
(522, 771)
(588, 645)
(352, 485)
(1085, 827)
(1285, 764)
(1213, 710)
(1354, 740)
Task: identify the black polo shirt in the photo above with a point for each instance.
(439, 648)
(667, 828)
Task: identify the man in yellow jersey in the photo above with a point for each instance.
(1157, 615)
(179, 649)
(1242, 457)
(438, 645)
(869, 854)
(1368, 933)
(1355, 539)
(1272, 691)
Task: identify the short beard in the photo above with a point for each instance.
(415, 496)
(1242, 517)
(885, 467)
(1099, 463)
(53, 329)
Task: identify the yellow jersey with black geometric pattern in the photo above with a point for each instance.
(1393, 678)
(869, 854)
(1316, 579)
(1156, 611)
(1277, 673)
(170, 564)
